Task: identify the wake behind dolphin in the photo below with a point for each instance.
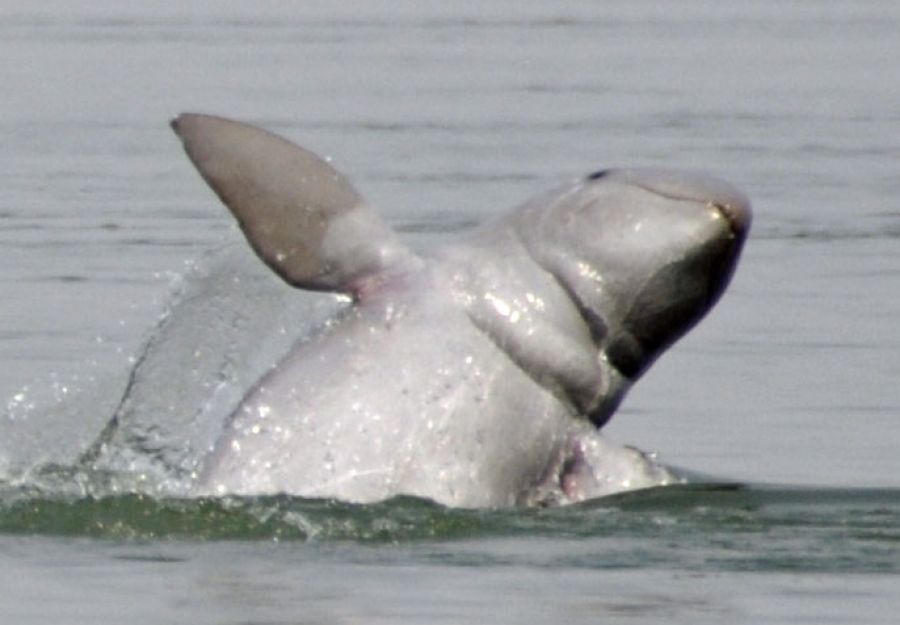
(478, 375)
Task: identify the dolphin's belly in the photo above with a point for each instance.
(414, 401)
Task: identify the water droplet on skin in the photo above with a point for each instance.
(499, 305)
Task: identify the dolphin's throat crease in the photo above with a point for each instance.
(480, 374)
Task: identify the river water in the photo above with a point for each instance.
(444, 115)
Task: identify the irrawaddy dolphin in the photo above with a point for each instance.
(478, 374)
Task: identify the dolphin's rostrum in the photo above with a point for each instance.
(480, 374)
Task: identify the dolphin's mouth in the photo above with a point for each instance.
(738, 217)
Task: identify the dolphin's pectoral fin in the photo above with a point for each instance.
(300, 215)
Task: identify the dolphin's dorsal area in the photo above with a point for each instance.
(300, 215)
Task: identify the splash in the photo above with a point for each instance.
(227, 321)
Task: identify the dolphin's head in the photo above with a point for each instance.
(643, 254)
(663, 255)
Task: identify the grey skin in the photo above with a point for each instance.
(480, 374)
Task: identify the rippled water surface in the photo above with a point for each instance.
(445, 115)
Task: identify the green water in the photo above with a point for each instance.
(699, 527)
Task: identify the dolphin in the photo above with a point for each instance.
(478, 374)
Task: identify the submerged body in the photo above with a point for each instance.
(478, 376)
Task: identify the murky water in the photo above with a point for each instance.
(445, 115)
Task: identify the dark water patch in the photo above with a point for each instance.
(829, 233)
(431, 225)
(279, 518)
(215, 29)
(724, 527)
(568, 88)
(461, 177)
(63, 278)
(152, 558)
(450, 126)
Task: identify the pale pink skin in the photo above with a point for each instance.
(477, 376)
(443, 382)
